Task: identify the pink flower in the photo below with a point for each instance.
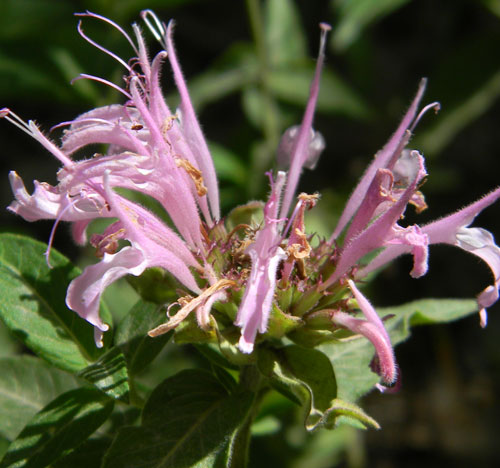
(164, 155)
(151, 150)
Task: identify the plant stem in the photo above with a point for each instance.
(250, 380)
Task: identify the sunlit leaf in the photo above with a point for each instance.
(109, 374)
(32, 303)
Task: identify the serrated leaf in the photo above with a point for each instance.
(303, 375)
(32, 304)
(285, 40)
(351, 358)
(58, 428)
(292, 84)
(109, 374)
(188, 421)
(27, 384)
(133, 339)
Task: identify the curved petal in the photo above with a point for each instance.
(84, 292)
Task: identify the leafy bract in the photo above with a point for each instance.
(190, 420)
(306, 377)
(32, 303)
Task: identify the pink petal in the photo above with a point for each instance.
(382, 159)
(302, 142)
(266, 255)
(84, 292)
(191, 128)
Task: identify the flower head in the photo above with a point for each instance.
(273, 279)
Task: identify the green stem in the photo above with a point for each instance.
(250, 380)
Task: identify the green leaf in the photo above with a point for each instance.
(155, 285)
(69, 69)
(4, 445)
(285, 40)
(343, 411)
(228, 165)
(252, 214)
(188, 421)
(213, 354)
(58, 428)
(351, 358)
(27, 384)
(87, 455)
(32, 304)
(355, 15)
(109, 374)
(235, 69)
(133, 339)
(292, 84)
(281, 323)
(303, 375)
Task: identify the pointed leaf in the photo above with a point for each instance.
(351, 359)
(188, 421)
(27, 384)
(109, 374)
(133, 339)
(58, 428)
(32, 303)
